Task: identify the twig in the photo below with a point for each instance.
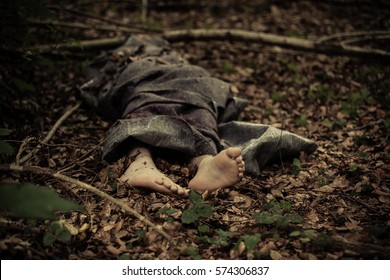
(49, 135)
(51, 173)
(364, 126)
(86, 26)
(364, 34)
(21, 149)
(144, 11)
(59, 122)
(81, 45)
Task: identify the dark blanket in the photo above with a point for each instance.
(159, 99)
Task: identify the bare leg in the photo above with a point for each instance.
(142, 172)
(222, 170)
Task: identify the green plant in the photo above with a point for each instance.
(250, 240)
(361, 140)
(353, 168)
(32, 201)
(278, 214)
(296, 167)
(322, 93)
(192, 252)
(228, 67)
(322, 239)
(198, 209)
(354, 101)
(338, 124)
(167, 213)
(292, 68)
(57, 231)
(301, 121)
(303, 236)
(277, 96)
(322, 181)
(220, 239)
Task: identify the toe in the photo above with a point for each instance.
(159, 181)
(174, 188)
(233, 152)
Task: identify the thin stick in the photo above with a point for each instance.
(50, 134)
(86, 26)
(21, 149)
(144, 11)
(51, 173)
(371, 34)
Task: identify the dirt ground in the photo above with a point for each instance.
(334, 204)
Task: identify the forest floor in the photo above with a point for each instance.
(334, 204)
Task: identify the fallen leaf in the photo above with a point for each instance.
(275, 255)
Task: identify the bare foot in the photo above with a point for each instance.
(143, 173)
(222, 170)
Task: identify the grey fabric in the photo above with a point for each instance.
(158, 98)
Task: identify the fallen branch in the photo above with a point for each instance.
(280, 40)
(48, 136)
(80, 45)
(321, 45)
(92, 189)
(78, 25)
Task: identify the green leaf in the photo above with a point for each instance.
(304, 239)
(294, 218)
(309, 232)
(56, 231)
(223, 237)
(189, 216)
(195, 197)
(64, 235)
(48, 239)
(166, 211)
(5, 131)
(32, 201)
(6, 148)
(140, 233)
(322, 239)
(264, 218)
(198, 209)
(203, 229)
(203, 210)
(193, 252)
(296, 167)
(295, 233)
(251, 241)
(124, 257)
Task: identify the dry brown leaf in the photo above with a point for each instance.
(113, 250)
(313, 217)
(353, 226)
(275, 255)
(325, 189)
(108, 227)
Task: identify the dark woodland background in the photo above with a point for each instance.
(334, 204)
